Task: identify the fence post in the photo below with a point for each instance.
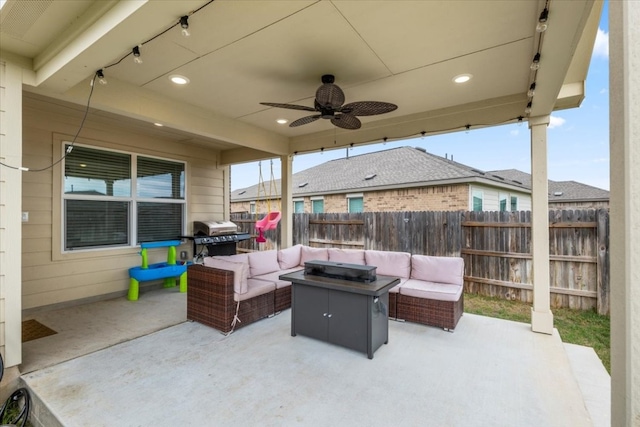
(602, 231)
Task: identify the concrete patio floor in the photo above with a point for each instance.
(122, 363)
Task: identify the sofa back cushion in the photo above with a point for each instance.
(308, 253)
(439, 269)
(234, 258)
(240, 272)
(263, 262)
(289, 257)
(396, 264)
(348, 256)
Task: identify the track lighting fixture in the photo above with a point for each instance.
(101, 78)
(532, 90)
(542, 21)
(535, 64)
(136, 55)
(184, 23)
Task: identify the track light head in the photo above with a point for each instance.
(100, 76)
(532, 90)
(535, 64)
(527, 110)
(542, 21)
(184, 23)
(136, 55)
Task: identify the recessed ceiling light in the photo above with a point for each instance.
(282, 121)
(158, 124)
(179, 80)
(462, 78)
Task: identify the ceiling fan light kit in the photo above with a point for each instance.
(328, 104)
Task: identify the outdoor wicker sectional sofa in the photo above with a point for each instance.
(228, 292)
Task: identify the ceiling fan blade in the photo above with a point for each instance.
(304, 121)
(289, 106)
(346, 121)
(368, 108)
(330, 95)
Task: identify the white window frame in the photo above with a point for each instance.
(354, 196)
(133, 199)
(297, 200)
(252, 207)
(315, 199)
(475, 191)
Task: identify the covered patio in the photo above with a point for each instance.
(525, 59)
(147, 366)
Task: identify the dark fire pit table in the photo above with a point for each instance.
(349, 313)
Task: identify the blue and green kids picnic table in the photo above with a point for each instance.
(170, 270)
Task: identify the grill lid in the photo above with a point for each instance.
(214, 228)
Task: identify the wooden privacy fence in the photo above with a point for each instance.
(496, 247)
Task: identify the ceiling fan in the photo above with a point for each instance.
(328, 105)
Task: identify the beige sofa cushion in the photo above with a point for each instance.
(388, 263)
(348, 256)
(289, 257)
(263, 262)
(431, 290)
(396, 288)
(255, 288)
(438, 269)
(275, 277)
(240, 272)
(313, 254)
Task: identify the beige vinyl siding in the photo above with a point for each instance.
(10, 214)
(491, 198)
(51, 276)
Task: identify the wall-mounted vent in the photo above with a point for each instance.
(370, 176)
(304, 184)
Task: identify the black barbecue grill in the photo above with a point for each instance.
(220, 237)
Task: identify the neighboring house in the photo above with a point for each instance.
(409, 179)
(564, 194)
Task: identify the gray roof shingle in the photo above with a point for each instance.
(397, 167)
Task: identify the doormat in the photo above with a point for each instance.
(32, 330)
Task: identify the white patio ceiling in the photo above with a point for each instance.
(241, 53)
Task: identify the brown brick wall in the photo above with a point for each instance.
(441, 198)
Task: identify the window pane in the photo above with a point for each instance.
(514, 203)
(298, 206)
(92, 223)
(317, 206)
(159, 221)
(252, 208)
(477, 200)
(97, 173)
(356, 204)
(503, 203)
(160, 179)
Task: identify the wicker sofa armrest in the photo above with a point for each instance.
(210, 297)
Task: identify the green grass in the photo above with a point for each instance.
(586, 328)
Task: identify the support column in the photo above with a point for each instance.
(541, 316)
(286, 183)
(10, 216)
(624, 132)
